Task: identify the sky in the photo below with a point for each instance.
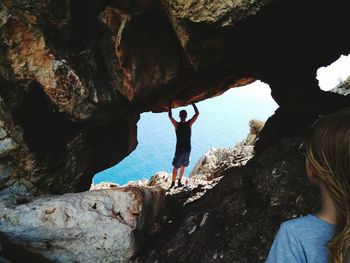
(330, 76)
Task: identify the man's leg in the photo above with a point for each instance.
(182, 171)
(174, 177)
(175, 173)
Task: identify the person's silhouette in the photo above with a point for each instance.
(183, 143)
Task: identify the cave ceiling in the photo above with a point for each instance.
(81, 68)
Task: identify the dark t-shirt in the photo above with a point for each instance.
(183, 137)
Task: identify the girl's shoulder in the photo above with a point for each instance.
(308, 221)
(301, 239)
(308, 227)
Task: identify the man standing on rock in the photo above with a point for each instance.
(183, 142)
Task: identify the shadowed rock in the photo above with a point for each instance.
(75, 75)
(237, 219)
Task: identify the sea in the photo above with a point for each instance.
(223, 122)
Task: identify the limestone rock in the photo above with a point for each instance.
(192, 189)
(217, 13)
(163, 179)
(343, 88)
(220, 159)
(142, 182)
(104, 185)
(214, 163)
(186, 15)
(94, 226)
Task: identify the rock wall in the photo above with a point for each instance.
(219, 160)
(75, 75)
(236, 220)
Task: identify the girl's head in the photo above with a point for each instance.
(328, 157)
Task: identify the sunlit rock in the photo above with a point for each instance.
(216, 161)
(219, 160)
(104, 185)
(163, 179)
(342, 88)
(141, 182)
(217, 13)
(94, 226)
(190, 17)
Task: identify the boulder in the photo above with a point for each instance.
(93, 226)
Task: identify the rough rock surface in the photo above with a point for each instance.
(212, 164)
(216, 161)
(163, 180)
(343, 88)
(93, 226)
(221, 159)
(74, 76)
(237, 219)
(104, 185)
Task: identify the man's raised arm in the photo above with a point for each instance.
(195, 116)
(173, 121)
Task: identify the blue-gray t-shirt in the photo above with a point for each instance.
(301, 240)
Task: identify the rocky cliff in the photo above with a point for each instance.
(75, 75)
(236, 220)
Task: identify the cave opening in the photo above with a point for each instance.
(334, 74)
(223, 122)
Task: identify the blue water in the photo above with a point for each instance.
(223, 122)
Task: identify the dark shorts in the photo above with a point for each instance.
(181, 159)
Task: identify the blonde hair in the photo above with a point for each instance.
(328, 152)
